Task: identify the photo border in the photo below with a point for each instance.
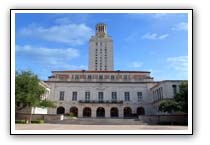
(11, 55)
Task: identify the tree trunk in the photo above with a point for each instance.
(31, 115)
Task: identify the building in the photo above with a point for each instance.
(102, 91)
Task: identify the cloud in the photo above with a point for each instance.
(56, 58)
(159, 15)
(179, 63)
(72, 34)
(154, 36)
(136, 64)
(183, 26)
(63, 20)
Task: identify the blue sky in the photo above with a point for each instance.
(156, 42)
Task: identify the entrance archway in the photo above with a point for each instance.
(74, 111)
(140, 111)
(86, 112)
(100, 112)
(60, 110)
(127, 112)
(114, 112)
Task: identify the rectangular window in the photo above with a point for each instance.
(87, 96)
(127, 96)
(125, 77)
(76, 77)
(61, 97)
(89, 77)
(114, 96)
(112, 77)
(174, 90)
(74, 96)
(100, 77)
(100, 96)
(139, 96)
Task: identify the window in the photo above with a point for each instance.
(112, 77)
(100, 96)
(87, 96)
(125, 77)
(139, 96)
(96, 44)
(100, 77)
(74, 96)
(61, 97)
(76, 77)
(174, 89)
(127, 96)
(114, 96)
(89, 77)
(161, 90)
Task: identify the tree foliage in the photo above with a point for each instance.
(28, 91)
(180, 101)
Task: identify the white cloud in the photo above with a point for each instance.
(56, 58)
(63, 20)
(73, 34)
(154, 36)
(180, 26)
(179, 63)
(136, 64)
(159, 15)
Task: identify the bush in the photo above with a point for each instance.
(20, 121)
(37, 121)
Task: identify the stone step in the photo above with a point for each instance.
(98, 121)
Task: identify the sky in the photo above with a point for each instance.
(155, 42)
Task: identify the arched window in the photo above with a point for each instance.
(74, 111)
(86, 112)
(127, 112)
(100, 112)
(60, 110)
(114, 112)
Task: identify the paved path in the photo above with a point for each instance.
(95, 127)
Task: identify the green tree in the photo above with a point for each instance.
(180, 101)
(28, 92)
(182, 97)
(168, 106)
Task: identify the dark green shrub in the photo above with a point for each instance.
(20, 121)
(37, 121)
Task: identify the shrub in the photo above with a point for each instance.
(20, 121)
(37, 121)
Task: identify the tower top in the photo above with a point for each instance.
(101, 29)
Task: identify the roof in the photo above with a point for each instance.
(94, 71)
(164, 81)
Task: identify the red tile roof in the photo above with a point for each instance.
(95, 71)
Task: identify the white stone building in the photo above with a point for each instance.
(103, 92)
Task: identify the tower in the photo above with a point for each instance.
(101, 50)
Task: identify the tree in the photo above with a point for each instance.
(182, 97)
(28, 92)
(168, 106)
(180, 101)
